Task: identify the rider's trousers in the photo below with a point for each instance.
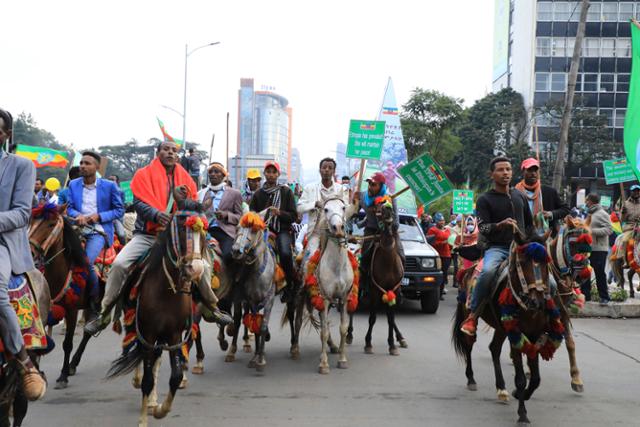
(132, 251)
(9, 327)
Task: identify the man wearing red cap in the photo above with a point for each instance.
(377, 188)
(544, 201)
(280, 204)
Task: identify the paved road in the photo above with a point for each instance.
(424, 386)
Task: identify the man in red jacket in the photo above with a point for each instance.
(441, 244)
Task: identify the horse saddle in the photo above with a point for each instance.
(470, 252)
(502, 275)
(23, 300)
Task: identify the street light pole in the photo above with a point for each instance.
(184, 98)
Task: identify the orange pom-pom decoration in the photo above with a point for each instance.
(252, 220)
(317, 302)
(389, 297)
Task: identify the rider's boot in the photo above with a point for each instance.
(470, 325)
(93, 309)
(212, 313)
(99, 323)
(33, 384)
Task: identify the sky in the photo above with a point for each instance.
(98, 73)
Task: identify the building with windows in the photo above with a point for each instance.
(296, 166)
(264, 129)
(534, 43)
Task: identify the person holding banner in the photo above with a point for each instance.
(544, 202)
(500, 210)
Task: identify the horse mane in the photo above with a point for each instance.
(158, 249)
(74, 253)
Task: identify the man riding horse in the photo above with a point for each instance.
(367, 199)
(279, 201)
(96, 203)
(630, 215)
(154, 188)
(312, 201)
(17, 177)
(500, 210)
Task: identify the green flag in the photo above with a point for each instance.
(632, 118)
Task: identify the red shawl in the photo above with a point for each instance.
(151, 183)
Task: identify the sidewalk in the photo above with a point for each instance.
(615, 310)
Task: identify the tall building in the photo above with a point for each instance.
(533, 45)
(264, 129)
(296, 166)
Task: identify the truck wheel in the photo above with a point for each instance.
(430, 301)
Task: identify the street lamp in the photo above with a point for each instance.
(187, 53)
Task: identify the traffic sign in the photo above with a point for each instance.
(463, 202)
(426, 179)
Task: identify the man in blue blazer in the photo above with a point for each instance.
(94, 203)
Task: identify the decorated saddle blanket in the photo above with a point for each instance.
(23, 301)
(466, 288)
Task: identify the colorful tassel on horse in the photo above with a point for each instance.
(317, 302)
(534, 251)
(506, 297)
(389, 298)
(585, 238)
(56, 314)
(585, 273)
(352, 302)
(252, 220)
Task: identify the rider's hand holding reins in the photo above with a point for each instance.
(507, 222)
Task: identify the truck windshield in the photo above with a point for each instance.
(409, 230)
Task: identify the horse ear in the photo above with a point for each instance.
(62, 209)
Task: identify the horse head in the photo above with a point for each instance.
(576, 248)
(250, 234)
(334, 210)
(186, 244)
(529, 270)
(47, 224)
(384, 213)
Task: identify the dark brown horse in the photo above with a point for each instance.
(521, 309)
(57, 251)
(630, 257)
(385, 276)
(161, 306)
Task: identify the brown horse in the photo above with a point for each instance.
(385, 276)
(11, 394)
(57, 251)
(631, 258)
(569, 251)
(521, 309)
(161, 305)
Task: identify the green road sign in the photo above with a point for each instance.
(426, 179)
(126, 189)
(605, 201)
(617, 171)
(462, 202)
(365, 139)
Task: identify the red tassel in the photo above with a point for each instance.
(318, 302)
(510, 325)
(506, 297)
(311, 281)
(58, 312)
(352, 303)
(530, 350)
(585, 238)
(547, 351)
(585, 273)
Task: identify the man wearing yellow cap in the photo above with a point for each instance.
(251, 185)
(225, 210)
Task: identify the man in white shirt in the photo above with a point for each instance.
(312, 201)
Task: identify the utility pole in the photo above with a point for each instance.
(568, 100)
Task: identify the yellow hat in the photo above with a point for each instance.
(52, 184)
(253, 174)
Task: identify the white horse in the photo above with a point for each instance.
(256, 264)
(335, 277)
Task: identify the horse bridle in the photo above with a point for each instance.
(340, 240)
(193, 251)
(42, 249)
(254, 244)
(523, 297)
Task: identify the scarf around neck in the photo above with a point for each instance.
(536, 190)
(370, 200)
(274, 194)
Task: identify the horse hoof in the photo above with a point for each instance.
(343, 364)
(472, 387)
(224, 345)
(72, 371)
(295, 354)
(260, 367)
(349, 339)
(524, 422)
(334, 349)
(183, 383)
(578, 388)
(503, 396)
(230, 358)
(394, 351)
(159, 413)
(246, 348)
(61, 385)
(151, 409)
(252, 364)
(368, 350)
(197, 370)
(403, 343)
(324, 370)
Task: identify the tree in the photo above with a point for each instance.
(497, 124)
(126, 159)
(429, 120)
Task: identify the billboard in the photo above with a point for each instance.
(501, 38)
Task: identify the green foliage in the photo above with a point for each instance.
(429, 119)
(126, 159)
(619, 295)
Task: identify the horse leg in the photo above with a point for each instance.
(534, 382)
(367, 338)
(261, 363)
(350, 330)
(391, 320)
(147, 385)
(576, 381)
(237, 318)
(403, 342)
(161, 411)
(20, 406)
(344, 325)
(153, 396)
(136, 380)
(496, 348)
(323, 368)
(618, 272)
(246, 339)
(63, 380)
(299, 312)
(521, 384)
(75, 361)
(291, 316)
(630, 277)
(198, 368)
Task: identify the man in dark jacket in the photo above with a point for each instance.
(542, 198)
(500, 211)
(279, 201)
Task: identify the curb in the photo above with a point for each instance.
(614, 310)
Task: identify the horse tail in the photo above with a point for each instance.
(126, 363)
(458, 338)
